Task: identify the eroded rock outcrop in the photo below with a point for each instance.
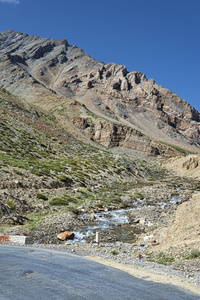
(39, 70)
(115, 135)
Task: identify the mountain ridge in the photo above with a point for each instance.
(51, 73)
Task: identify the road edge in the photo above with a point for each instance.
(146, 274)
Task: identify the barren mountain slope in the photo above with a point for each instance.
(184, 233)
(188, 166)
(134, 112)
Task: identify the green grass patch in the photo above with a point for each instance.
(35, 220)
(160, 258)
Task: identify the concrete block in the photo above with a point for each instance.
(23, 240)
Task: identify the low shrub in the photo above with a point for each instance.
(11, 204)
(37, 172)
(59, 201)
(41, 196)
(65, 179)
(163, 259)
(17, 172)
(193, 254)
(138, 195)
(113, 252)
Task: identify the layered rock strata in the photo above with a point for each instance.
(41, 70)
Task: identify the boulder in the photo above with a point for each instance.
(66, 235)
(92, 217)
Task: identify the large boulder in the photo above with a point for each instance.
(66, 235)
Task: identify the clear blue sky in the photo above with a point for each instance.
(160, 38)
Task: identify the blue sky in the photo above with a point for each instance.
(160, 38)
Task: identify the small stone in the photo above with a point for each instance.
(92, 217)
(89, 85)
(67, 243)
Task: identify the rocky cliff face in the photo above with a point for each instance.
(132, 111)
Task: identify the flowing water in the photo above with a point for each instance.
(111, 224)
(116, 225)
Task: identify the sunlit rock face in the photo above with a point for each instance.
(133, 111)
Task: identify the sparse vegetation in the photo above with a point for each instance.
(179, 149)
(59, 201)
(4, 91)
(160, 258)
(41, 196)
(113, 252)
(11, 204)
(138, 195)
(65, 179)
(164, 259)
(195, 253)
(35, 220)
(17, 172)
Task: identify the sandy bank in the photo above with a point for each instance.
(145, 274)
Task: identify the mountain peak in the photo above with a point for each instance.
(34, 68)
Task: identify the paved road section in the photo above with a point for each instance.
(32, 273)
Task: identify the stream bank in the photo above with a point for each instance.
(149, 207)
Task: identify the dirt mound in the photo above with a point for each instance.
(185, 231)
(188, 166)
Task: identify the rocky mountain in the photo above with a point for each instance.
(97, 102)
(83, 142)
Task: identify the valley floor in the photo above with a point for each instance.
(156, 215)
(155, 210)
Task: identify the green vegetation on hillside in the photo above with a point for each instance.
(30, 140)
(36, 152)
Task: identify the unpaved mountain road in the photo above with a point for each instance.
(28, 273)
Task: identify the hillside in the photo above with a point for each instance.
(36, 155)
(188, 166)
(100, 102)
(183, 234)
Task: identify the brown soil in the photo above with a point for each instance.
(184, 232)
(188, 166)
